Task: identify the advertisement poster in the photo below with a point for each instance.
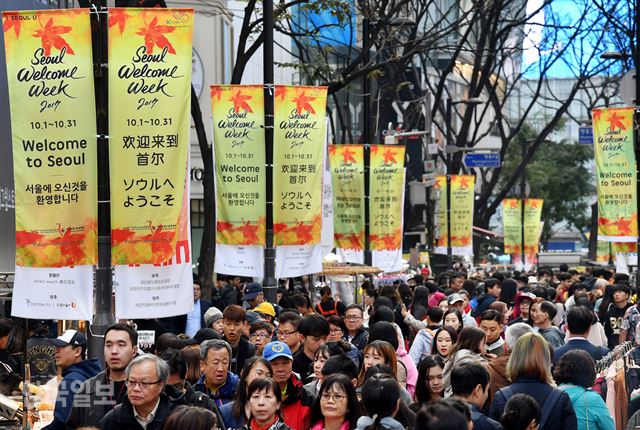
(158, 290)
(298, 153)
(615, 174)
(53, 123)
(512, 226)
(240, 178)
(347, 178)
(462, 200)
(532, 227)
(149, 121)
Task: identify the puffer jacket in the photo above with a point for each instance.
(296, 406)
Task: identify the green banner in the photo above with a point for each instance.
(347, 178)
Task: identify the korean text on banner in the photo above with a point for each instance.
(532, 229)
(512, 225)
(53, 124)
(239, 155)
(298, 155)
(347, 177)
(615, 174)
(462, 201)
(386, 191)
(149, 122)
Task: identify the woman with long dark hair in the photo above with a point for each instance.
(236, 413)
(429, 387)
(337, 405)
(443, 341)
(381, 401)
(470, 347)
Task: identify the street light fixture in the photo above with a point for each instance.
(473, 101)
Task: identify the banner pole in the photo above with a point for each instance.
(269, 284)
(103, 316)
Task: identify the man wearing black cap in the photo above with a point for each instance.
(253, 295)
(71, 349)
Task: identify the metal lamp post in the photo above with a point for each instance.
(450, 103)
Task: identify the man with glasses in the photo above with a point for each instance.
(288, 330)
(98, 395)
(357, 335)
(216, 381)
(146, 406)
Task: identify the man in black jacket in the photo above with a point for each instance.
(234, 319)
(357, 335)
(98, 395)
(146, 407)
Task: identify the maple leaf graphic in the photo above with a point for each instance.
(332, 149)
(615, 120)
(303, 233)
(374, 149)
(216, 92)
(464, 182)
(223, 226)
(281, 92)
(240, 102)
(389, 157)
(347, 156)
(513, 204)
(596, 115)
(154, 36)
(390, 242)
(50, 37)
(302, 103)
(24, 238)
(161, 242)
(118, 17)
(11, 23)
(69, 246)
(279, 227)
(249, 232)
(603, 221)
(624, 226)
(120, 235)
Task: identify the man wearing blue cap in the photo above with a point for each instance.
(296, 402)
(253, 295)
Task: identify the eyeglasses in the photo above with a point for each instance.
(285, 333)
(261, 335)
(335, 397)
(352, 318)
(142, 385)
(335, 332)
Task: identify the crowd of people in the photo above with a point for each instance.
(498, 350)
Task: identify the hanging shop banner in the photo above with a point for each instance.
(512, 225)
(53, 123)
(615, 174)
(532, 227)
(347, 178)
(386, 190)
(240, 178)
(239, 154)
(462, 200)
(299, 141)
(603, 252)
(159, 290)
(149, 122)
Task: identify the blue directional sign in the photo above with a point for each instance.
(585, 136)
(490, 160)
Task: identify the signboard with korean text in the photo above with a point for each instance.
(512, 225)
(615, 174)
(532, 229)
(51, 95)
(149, 121)
(240, 178)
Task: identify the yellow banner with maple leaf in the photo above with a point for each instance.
(615, 174)
(462, 200)
(386, 196)
(239, 155)
(347, 178)
(53, 124)
(532, 228)
(150, 53)
(298, 157)
(512, 225)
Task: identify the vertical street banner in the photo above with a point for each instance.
(386, 203)
(298, 156)
(347, 178)
(532, 227)
(615, 174)
(240, 178)
(149, 122)
(159, 290)
(603, 252)
(462, 200)
(53, 123)
(512, 226)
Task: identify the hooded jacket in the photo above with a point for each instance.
(122, 417)
(296, 405)
(225, 394)
(72, 378)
